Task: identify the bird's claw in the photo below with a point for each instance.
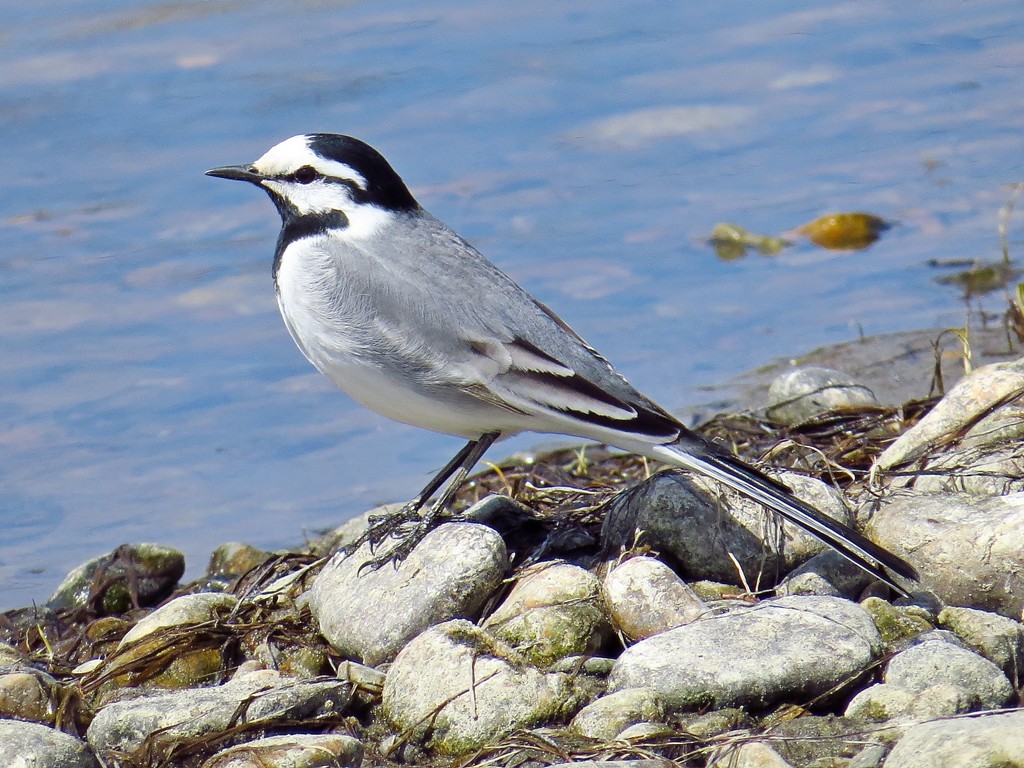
(407, 526)
(394, 555)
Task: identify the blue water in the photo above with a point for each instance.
(148, 390)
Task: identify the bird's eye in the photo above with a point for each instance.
(305, 175)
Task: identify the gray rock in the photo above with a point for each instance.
(187, 609)
(827, 573)
(610, 715)
(969, 551)
(934, 660)
(803, 393)
(896, 623)
(880, 703)
(159, 721)
(31, 745)
(806, 582)
(698, 524)
(989, 469)
(814, 740)
(749, 754)
(644, 597)
(872, 756)
(712, 591)
(362, 677)
(235, 558)
(814, 644)
(939, 700)
(327, 750)
(990, 741)
(553, 611)
(371, 615)
(885, 703)
(970, 440)
(588, 665)
(710, 724)
(645, 731)
(167, 645)
(610, 764)
(997, 638)
(11, 655)
(455, 688)
(28, 693)
(150, 570)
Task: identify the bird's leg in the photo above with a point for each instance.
(395, 525)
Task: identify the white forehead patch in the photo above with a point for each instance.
(294, 153)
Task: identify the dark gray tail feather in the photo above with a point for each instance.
(750, 482)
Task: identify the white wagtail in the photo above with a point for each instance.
(412, 321)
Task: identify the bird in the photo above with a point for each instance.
(410, 320)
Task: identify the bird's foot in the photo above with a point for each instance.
(406, 526)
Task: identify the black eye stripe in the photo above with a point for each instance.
(307, 174)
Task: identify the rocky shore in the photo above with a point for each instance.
(585, 607)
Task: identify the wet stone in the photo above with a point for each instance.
(818, 739)
(235, 558)
(880, 703)
(939, 700)
(176, 646)
(349, 532)
(872, 756)
(827, 573)
(27, 693)
(750, 754)
(710, 724)
(151, 570)
(645, 731)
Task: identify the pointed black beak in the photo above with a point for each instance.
(237, 173)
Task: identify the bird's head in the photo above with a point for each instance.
(324, 175)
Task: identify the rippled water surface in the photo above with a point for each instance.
(149, 390)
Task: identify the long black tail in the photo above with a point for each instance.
(754, 484)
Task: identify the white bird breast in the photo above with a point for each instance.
(324, 320)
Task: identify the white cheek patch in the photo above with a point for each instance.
(318, 197)
(364, 222)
